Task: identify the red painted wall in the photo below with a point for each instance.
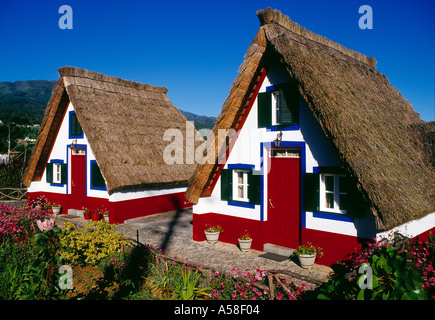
(129, 209)
(122, 210)
(335, 246)
(233, 228)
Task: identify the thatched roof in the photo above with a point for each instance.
(124, 122)
(368, 122)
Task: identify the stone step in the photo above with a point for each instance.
(75, 212)
(279, 250)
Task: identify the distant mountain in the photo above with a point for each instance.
(200, 122)
(24, 102)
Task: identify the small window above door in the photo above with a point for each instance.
(284, 153)
(78, 151)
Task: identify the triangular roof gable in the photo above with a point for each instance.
(124, 122)
(367, 121)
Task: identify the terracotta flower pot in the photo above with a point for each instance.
(96, 216)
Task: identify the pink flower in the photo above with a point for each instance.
(280, 296)
(46, 225)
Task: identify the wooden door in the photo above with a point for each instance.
(78, 178)
(283, 198)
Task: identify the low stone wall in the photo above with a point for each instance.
(14, 203)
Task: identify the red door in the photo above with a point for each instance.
(283, 198)
(78, 178)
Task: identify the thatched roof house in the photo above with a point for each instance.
(124, 122)
(369, 124)
(121, 126)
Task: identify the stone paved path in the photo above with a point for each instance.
(172, 232)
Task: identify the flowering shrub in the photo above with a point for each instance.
(101, 211)
(92, 243)
(309, 249)
(401, 269)
(40, 201)
(216, 228)
(246, 284)
(245, 236)
(45, 225)
(18, 223)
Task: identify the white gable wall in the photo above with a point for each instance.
(253, 141)
(60, 151)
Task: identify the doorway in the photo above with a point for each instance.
(283, 197)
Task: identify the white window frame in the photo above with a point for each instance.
(244, 184)
(57, 172)
(275, 108)
(336, 193)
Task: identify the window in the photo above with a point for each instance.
(240, 186)
(97, 180)
(75, 130)
(277, 107)
(56, 173)
(276, 115)
(332, 193)
(284, 153)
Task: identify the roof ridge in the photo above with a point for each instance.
(69, 71)
(267, 16)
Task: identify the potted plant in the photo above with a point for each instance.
(98, 213)
(86, 213)
(307, 254)
(55, 207)
(245, 242)
(212, 233)
(47, 207)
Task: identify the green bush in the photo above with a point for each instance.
(394, 269)
(29, 268)
(91, 244)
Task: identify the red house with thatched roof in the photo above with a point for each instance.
(320, 148)
(100, 143)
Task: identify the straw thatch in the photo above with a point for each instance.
(124, 122)
(369, 124)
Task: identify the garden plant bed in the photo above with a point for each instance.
(106, 265)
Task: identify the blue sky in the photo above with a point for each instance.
(194, 48)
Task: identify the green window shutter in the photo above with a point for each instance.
(311, 192)
(226, 184)
(352, 202)
(63, 171)
(264, 102)
(49, 172)
(285, 114)
(254, 189)
(97, 179)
